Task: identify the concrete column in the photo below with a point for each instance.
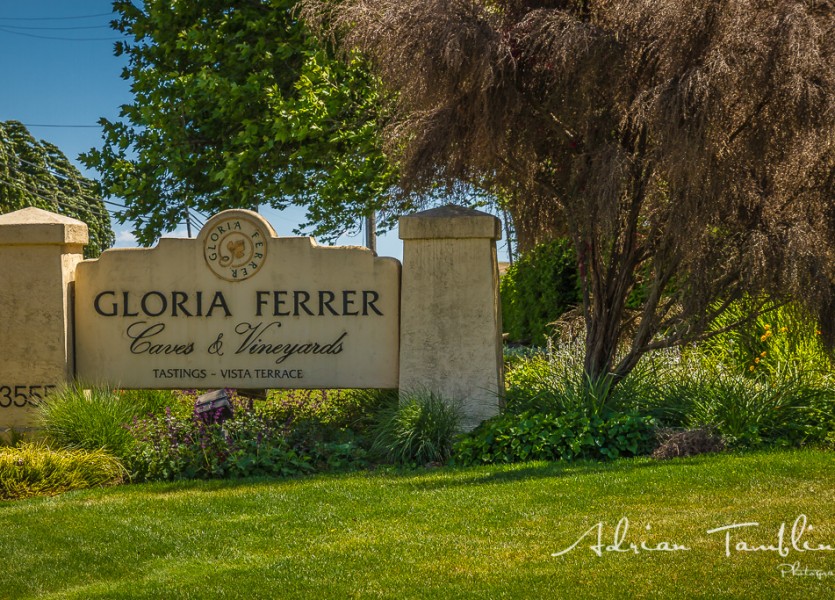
(38, 254)
(450, 319)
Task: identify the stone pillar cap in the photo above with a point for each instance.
(36, 227)
(450, 222)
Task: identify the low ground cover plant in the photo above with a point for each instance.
(570, 436)
(290, 433)
(32, 469)
(168, 447)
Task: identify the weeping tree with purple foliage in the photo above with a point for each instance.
(684, 146)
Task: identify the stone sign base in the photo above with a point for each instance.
(240, 306)
(39, 252)
(450, 323)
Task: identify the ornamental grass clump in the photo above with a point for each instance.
(788, 409)
(36, 470)
(419, 429)
(90, 418)
(553, 381)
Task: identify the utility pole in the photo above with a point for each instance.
(188, 222)
(371, 231)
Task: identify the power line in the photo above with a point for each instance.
(197, 221)
(67, 176)
(50, 169)
(34, 191)
(65, 39)
(56, 28)
(43, 125)
(107, 14)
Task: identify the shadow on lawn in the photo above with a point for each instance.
(540, 470)
(432, 478)
(508, 474)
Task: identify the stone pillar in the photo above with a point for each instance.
(450, 320)
(38, 254)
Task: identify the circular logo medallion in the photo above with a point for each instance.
(235, 248)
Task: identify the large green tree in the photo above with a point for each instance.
(685, 146)
(36, 173)
(237, 105)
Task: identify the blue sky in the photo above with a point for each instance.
(57, 68)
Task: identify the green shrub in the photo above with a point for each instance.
(326, 410)
(788, 409)
(169, 447)
(537, 289)
(783, 337)
(252, 442)
(784, 405)
(89, 419)
(418, 429)
(532, 435)
(33, 469)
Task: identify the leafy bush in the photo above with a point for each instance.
(95, 418)
(785, 410)
(537, 289)
(783, 405)
(418, 429)
(783, 337)
(325, 410)
(532, 435)
(33, 469)
(257, 440)
(169, 447)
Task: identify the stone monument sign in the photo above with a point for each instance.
(238, 306)
(242, 307)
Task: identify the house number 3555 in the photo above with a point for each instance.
(21, 395)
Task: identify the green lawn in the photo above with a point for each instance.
(486, 532)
